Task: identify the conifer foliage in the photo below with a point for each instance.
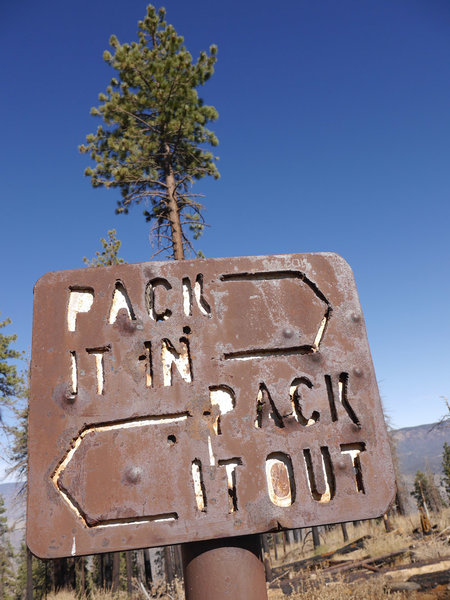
(6, 557)
(426, 492)
(154, 142)
(446, 469)
(13, 393)
(109, 254)
(10, 380)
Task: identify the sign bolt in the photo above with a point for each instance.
(133, 474)
(70, 396)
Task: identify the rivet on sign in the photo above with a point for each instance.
(288, 333)
(341, 464)
(316, 357)
(356, 317)
(69, 396)
(358, 372)
(133, 474)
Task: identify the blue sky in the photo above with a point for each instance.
(334, 135)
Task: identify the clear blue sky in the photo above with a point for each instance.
(334, 135)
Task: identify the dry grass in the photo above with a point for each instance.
(403, 536)
(317, 589)
(99, 595)
(174, 592)
(381, 543)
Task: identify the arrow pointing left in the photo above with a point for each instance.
(123, 472)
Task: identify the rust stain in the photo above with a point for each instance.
(280, 480)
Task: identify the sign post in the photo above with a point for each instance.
(186, 401)
(224, 568)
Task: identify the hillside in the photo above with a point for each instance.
(15, 511)
(420, 447)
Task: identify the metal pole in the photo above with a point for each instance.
(223, 569)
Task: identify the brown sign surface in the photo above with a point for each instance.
(180, 401)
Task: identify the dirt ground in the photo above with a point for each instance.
(373, 564)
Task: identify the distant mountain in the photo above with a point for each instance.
(15, 511)
(421, 447)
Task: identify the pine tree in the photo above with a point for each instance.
(18, 449)
(426, 492)
(21, 573)
(10, 379)
(12, 393)
(6, 556)
(446, 469)
(109, 255)
(12, 385)
(41, 576)
(153, 144)
(400, 501)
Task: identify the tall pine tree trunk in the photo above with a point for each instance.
(140, 563)
(29, 593)
(168, 564)
(83, 577)
(174, 212)
(116, 573)
(129, 567)
(315, 536)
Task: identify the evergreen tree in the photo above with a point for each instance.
(41, 575)
(153, 143)
(12, 393)
(21, 573)
(426, 492)
(446, 470)
(10, 380)
(18, 449)
(401, 495)
(12, 385)
(419, 489)
(6, 556)
(109, 254)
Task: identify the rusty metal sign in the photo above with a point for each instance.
(182, 401)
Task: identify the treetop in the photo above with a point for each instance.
(152, 144)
